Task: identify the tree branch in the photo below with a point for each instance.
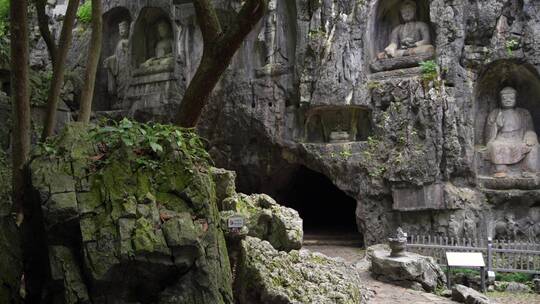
(250, 14)
(94, 52)
(219, 49)
(43, 23)
(208, 20)
(58, 69)
(20, 101)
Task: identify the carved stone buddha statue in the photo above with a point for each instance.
(510, 137)
(340, 134)
(117, 64)
(163, 59)
(409, 38)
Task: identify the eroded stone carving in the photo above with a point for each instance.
(510, 138)
(163, 61)
(337, 125)
(340, 133)
(410, 42)
(117, 64)
(398, 243)
(410, 38)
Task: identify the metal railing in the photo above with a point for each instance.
(499, 255)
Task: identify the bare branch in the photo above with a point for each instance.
(43, 23)
(58, 69)
(219, 49)
(94, 52)
(208, 20)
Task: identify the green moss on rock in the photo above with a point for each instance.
(150, 214)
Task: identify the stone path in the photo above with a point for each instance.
(391, 294)
(384, 293)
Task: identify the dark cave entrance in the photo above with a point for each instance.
(327, 212)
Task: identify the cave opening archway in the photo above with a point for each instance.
(327, 211)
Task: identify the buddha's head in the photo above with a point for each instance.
(123, 29)
(408, 11)
(508, 97)
(272, 4)
(163, 29)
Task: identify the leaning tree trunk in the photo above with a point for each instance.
(219, 49)
(94, 53)
(20, 101)
(43, 24)
(58, 69)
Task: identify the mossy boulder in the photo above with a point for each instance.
(138, 225)
(268, 276)
(266, 219)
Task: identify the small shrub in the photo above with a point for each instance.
(511, 45)
(39, 86)
(514, 277)
(84, 14)
(429, 70)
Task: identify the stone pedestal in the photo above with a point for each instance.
(388, 64)
(154, 96)
(339, 137)
(409, 270)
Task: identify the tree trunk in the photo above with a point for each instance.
(58, 69)
(219, 49)
(94, 53)
(43, 23)
(20, 101)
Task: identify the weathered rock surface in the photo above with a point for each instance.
(516, 287)
(537, 285)
(267, 276)
(410, 270)
(421, 129)
(10, 259)
(266, 219)
(11, 265)
(468, 295)
(128, 233)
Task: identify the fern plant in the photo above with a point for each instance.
(429, 70)
(84, 14)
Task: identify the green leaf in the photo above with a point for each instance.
(156, 147)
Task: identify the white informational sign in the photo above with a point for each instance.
(235, 222)
(465, 259)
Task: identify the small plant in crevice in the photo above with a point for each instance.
(511, 45)
(84, 14)
(429, 69)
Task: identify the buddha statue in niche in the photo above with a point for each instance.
(117, 64)
(510, 137)
(410, 38)
(339, 134)
(163, 59)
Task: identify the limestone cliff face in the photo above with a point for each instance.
(306, 89)
(413, 152)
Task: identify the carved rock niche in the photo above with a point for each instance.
(385, 19)
(506, 138)
(111, 40)
(337, 125)
(147, 38)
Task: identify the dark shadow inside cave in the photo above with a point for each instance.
(327, 212)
